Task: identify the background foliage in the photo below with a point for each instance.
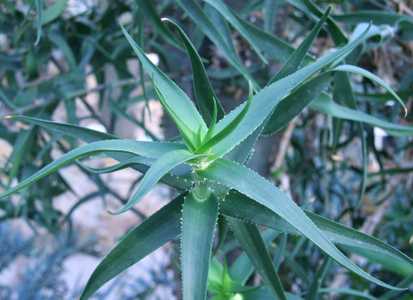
(49, 51)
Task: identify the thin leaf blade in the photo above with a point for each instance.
(199, 219)
(154, 232)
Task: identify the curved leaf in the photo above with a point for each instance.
(204, 23)
(326, 105)
(294, 103)
(135, 160)
(253, 244)
(204, 93)
(149, 10)
(86, 134)
(145, 238)
(53, 11)
(309, 8)
(90, 135)
(174, 96)
(240, 206)
(372, 77)
(264, 102)
(162, 166)
(249, 183)
(147, 149)
(227, 13)
(298, 56)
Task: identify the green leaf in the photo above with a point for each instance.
(204, 93)
(39, 14)
(190, 137)
(150, 12)
(145, 238)
(318, 279)
(309, 8)
(21, 147)
(90, 135)
(326, 105)
(240, 206)
(242, 268)
(389, 295)
(378, 17)
(61, 43)
(82, 133)
(264, 102)
(253, 244)
(147, 149)
(294, 104)
(233, 19)
(298, 56)
(162, 166)
(372, 77)
(177, 101)
(135, 160)
(269, 10)
(249, 183)
(194, 11)
(349, 292)
(53, 11)
(199, 219)
(224, 132)
(272, 46)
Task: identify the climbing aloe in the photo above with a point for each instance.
(215, 184)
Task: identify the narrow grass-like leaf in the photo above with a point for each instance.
(298, 56)
(194, 11)
(53, 11)
(294, 103)
(22, 145)
(39, 13)
(199, 219)
(82, 133)
(138, 160)
(318, 280)
(242, 268)
(309, 8)
(269, 10)
(378, 17)
(176, 99)
(221, 26)
(148, 7)
(249, 183)
(240, 206)
(147, 149)
(204, 93)
(253, 244)
(219, 136)
(390, 295)
(162, 166)
(190, 136)
(264, 102)
(326, 105)
(227, 13)
(348, 292)
(145, 238)
(372, 77)
(272, 46)
(90, 135)
(63, 46)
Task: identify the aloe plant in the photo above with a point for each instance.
(207, 167)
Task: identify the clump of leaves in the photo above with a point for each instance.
(207, 167)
